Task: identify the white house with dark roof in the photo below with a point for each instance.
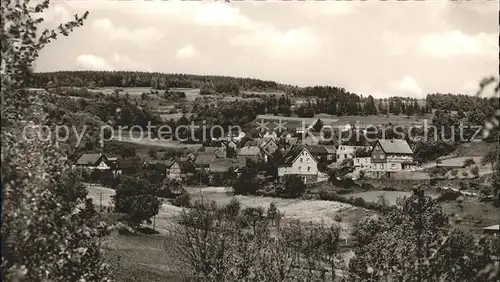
(93, 161)
(346, 152)
(391, 156)
(251, 152)
(299, 161)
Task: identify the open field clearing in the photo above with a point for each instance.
(164, 219)
(372, 196)
(191, 93)
(135, 138)
(472, 215)
(474, 149)
(375, 120)
(142, 258)
(315, 211)
(262, 92)
(130, 90)
(175, 116)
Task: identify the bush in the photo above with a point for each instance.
(183, 200)
(475, 171)
(448, 195)
(465, 174)
(136, 197)
(468, 162)
(294, 187)
(247, 248)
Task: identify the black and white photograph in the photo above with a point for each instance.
(250, 140)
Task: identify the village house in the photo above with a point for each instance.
(65, 164)
(223, 165)
(92, 162)
(173, 170)
(362, 161)
(268, 147)
(346, 152)
(229, 144)
(331, 153)
(391, 156)
(299, 161)
(178, 170)
(131, 165)
(250, 152)
(270, 135)
(219, 152)
(203, 160)
(319, 152)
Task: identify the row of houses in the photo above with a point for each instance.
(383, 159)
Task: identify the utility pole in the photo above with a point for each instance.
(100, 201)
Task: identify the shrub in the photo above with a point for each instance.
(337, 218)
(214, 247)
(475, 171)
(293, 186)
(182, 200)
(136, 197)
(465, 173)
(468, 162)
(448, 195)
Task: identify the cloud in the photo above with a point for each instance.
(219, 14)
(186, 52)
(329, 8)
(57, 13)
(406, 87)
(91, 62)
(299, 43)
(141, 36)
(453, 43)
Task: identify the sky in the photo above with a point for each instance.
(370, 48)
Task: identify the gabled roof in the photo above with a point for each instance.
(89, 159)
(130, 162)
(317, 150)
(331, 149)
(223, 165)
(249, 151)
(210, 149)
(395, 146)
(293, 154)
(204, 159)
(242, 161)
(253, 142)
(292, 140)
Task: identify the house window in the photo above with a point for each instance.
(381, 166)
(301, 160)
(308, 168)
(357, 161)
(381, 157)
(308, 160)
(393, 166)
(300, 168)
(345, 156)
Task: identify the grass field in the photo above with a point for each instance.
(315, 211)
(372, 196)
(142, 258)
(338, 121)
(473, 215)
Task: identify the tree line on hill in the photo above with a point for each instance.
(322, 99)
(155, 80)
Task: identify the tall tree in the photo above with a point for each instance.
(42, 239)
